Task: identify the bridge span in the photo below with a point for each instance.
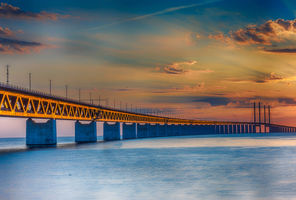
(24, 103)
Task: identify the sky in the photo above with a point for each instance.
(195, 59)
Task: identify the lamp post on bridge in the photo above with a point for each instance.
(79, 95)
(66, 87)
(7, 74)
(30, 81)
(259, 117)
(50, 87)
(269, 114)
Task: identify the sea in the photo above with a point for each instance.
(205, 167)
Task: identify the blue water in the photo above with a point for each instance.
(175, 168)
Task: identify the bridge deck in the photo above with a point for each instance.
(21, 102)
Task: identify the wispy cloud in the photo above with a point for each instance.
(161, 12)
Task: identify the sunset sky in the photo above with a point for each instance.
(197, 59)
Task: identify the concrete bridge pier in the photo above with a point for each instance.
(188, 130)
(234, 128)
(253, 128)
(222, 129)
(230, 129)
(111, 131)
(85, 132)
(143, 130)
(243, 129)
(41, 134)
(173, 130)
(194, 129)
(129, 130)
(247, 130)
(153, 129)
(239, 128)
(162, 130)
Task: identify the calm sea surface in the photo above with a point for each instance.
(175, 168)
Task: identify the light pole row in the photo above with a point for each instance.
(91, 100)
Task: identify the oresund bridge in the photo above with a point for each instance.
(118, 124)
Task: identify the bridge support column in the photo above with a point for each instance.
(238, 128)
(186, 129)
(111, 131)
(231, 129)
(153, 130)
(228, 129)
(143, 130)
(253, 128)
(41, 134)
(221, 129)
(162, 130)
(173, 130)
(85, 132)
(234, 128)
(243, 128)
(129, 131)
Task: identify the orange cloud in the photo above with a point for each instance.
(178, 67)
(9, 11)
(266, 34)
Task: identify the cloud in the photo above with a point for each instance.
(5, 32)
(219, 36)
(269, 77)
(173, 69)
(9, 11)
(270, 33)
(177, 67)
(286, 50)
(260, 77)
(214, 101)
(10, 46)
